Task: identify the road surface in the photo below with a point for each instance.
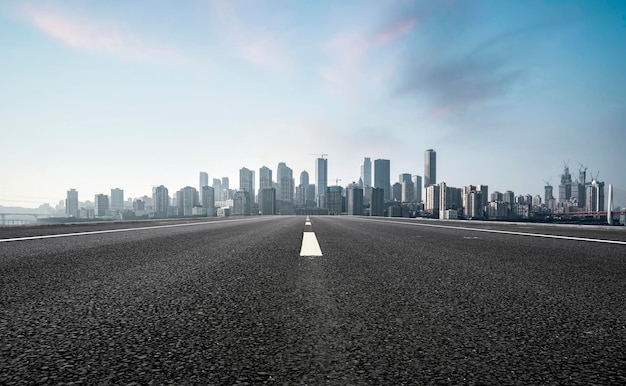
(389, 301)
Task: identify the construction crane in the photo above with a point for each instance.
(548, 182)
(320, 154)
(337, 181)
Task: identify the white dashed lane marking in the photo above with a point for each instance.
(310, 246)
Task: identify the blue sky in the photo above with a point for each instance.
(97, 95)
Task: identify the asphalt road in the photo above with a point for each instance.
(389, 302)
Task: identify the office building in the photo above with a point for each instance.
(334, 199)
(565, 187)
(160, 201)
(208, 200)
(321, 177)
(186, 199)
(595, 196)
(217, 188)
(117, 199)
(304, 178)
(204, 180)
(408, 191)
(71, 203)
(267, 201)
(396, 192)
(354, 196)
(366, 171)
(265, 178)
(382, 177)
(284, 179)
(225, 183)
(417, 181)
(377, 202)
(430, 167)
(242, 203)
(101, 204)
(246, 182)
(431, 204)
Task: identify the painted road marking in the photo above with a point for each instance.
(513, 233)
(310, 246)
(115, 230)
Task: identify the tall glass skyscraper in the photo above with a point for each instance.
(430, 167)
(382, 177)
(366, 172)
(321, 175)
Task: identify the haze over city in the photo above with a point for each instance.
(134, 95)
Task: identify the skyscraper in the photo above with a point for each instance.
(246, 182)
(355, 200)
(284, 178)
(321, 176)
(225, 183)
(217, 188)
(265, 177)
(186, 199)
(430, 167)
(101, 202)
(207, 200)
(71, 203)
(377, 202)
(382, 177)
(267, 201)
(204, 180)
(304, 178)
(417, 181)
(117, 199)
(160, 201)
(366, 171)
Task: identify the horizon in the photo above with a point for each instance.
(128, 95)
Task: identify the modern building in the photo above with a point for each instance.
(242, 203)
(431, 204)
(595, 196)
(217, 188)
(565, 187)
(204, 180)
(334, 199)
(71, 203)
(377, 202)
(547, 193)
(267, 201)
(304, 178)
(246, 182)
(265, 177)
(396, 192)
(417, 181)
(101, 204)
(408, 191)
(366, 171)
(186, 199)
(284, 178)
(354, 196)
(225, 183)
(207, 200)
(160, 201)
(430, 167)
(382, 177)
(321, 176)
(117, 199)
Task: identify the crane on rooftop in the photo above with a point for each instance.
(322, 155)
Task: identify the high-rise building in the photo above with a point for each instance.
(377, 202)
(310, 195)
(417, 181)
(186, 199)
(225, 183)
(208, 200)
(408, 191)
(548, 194)
(117, 199)
(354, 196)
(431, 204)
(101, 202)
(321, 176)
(595, 196)
(396, 192)
(242, 203)
(265, 177)
(430, 167)
(304, 178)
(71, 203)
(160, 201)
(217, 188)
(565, 187)
(267, 201)
(284, 178)
(366, 171)
(204, 180)
(246, 182)
(334, 199)
(404, 177)
(382, 177)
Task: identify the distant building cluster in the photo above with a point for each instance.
(372, 195)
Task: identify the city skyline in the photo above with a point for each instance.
(99, 96)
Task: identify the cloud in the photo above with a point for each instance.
(90, 34)
(250, 41)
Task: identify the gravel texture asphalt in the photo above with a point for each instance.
(232, 302)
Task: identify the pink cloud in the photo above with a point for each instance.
(396, 31)
(88, 34)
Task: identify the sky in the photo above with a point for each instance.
(97, 95)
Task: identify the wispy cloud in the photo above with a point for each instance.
(350, 52)
(250, 41)
(88, 33)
